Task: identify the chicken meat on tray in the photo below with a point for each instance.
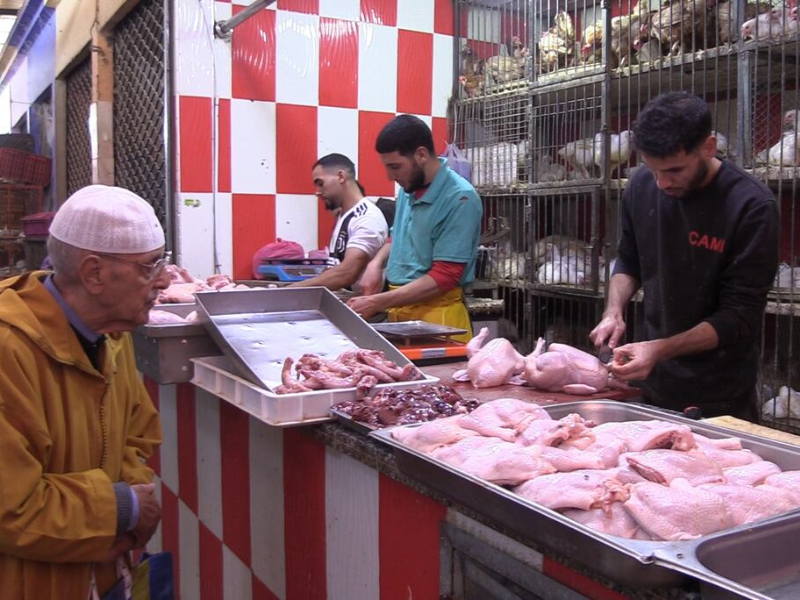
(650, 480)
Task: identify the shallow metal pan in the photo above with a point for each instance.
(630, 562)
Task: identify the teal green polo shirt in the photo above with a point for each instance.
(444, 224)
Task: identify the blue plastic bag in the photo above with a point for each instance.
(457, 161)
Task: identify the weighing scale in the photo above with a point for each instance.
(423, 341)
(292, 269)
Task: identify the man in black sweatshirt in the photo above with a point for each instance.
(700, 236)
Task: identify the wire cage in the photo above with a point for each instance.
(494, 133)
(494, 49)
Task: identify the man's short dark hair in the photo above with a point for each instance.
(404, 134)
(670, 123)
(338, 162)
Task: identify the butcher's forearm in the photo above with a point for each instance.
(382, 257)
(335, 278)
(701, 338)
(620, 292)
(415, 292)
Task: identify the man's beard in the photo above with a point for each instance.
(329, 204)
(696, 181)
(417, 180)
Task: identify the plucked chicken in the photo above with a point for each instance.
(491, 365)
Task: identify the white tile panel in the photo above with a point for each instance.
(194, 219)
(194, 38)
(222, 54)
(442, 87)
(351, 538)
(224, 229)
(267, 534)
(296, 219)
(236, 577)
(189, 544)
(416, 15)
(297, 58)
(168, 412)
(340, 9)
(377, 67)
(337, 132)
(253, 134)
(209, 461)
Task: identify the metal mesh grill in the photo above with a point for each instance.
(79, 151)
(139, 68)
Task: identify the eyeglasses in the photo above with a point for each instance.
(154, 269)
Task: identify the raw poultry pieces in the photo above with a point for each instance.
(360, 369)
(650, 480)
(561, 368)
(183, 285)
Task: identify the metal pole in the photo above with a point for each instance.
(224, 29)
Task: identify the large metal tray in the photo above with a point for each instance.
(259, 329)
(417, 329)
(630, 562)
(164, 352)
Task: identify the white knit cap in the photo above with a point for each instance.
(108, 219)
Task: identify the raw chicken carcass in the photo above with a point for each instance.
(639, 436)
(679, 511)
(565, 460)
(746, 504)
(788, 480)
(585, 489)
(752, 474)
(664, 466)
(613, 521)
(492, 365)
(494, 460)
(503, 418)
(544, 432)
(163, 317)
(565, 369)
(726, 458)
(432, 435)
(180, 293)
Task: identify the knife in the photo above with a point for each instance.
(605, 354)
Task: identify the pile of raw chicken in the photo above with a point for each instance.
(403, 406)
(647, 480)
(181, 290)
(360, 369)
(561, 368)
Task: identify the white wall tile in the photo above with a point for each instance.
(253, 148)
(194, 219)
(340, 9)
(416, 15)
(237, 581)
(442, 87)
(194, 40)
(168, 412)
(189, 544)
(297, 58)
(224, 225)
(377, 67)
(268, 555)
(209, 462)
(351, 515)
(337, 131)
(296, 219)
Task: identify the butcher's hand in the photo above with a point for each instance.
(371, 281)
(634, 361)
(608, 331)
(149, 513)
(366, 306)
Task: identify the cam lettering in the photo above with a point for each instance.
(706, 241)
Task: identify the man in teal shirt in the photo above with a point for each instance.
(434, 240)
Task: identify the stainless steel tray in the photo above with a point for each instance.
(164, 352)
(259, 329)
(630, 562)
(415, 329)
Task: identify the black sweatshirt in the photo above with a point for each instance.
(709, 256)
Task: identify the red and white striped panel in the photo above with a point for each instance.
(253, 512)
(295, 81)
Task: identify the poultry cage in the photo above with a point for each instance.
(588, 70)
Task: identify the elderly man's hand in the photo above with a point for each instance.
(149, 513)
(366, 306)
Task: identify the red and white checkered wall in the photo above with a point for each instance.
(298, 80)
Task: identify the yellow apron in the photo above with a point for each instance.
(448, 309)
